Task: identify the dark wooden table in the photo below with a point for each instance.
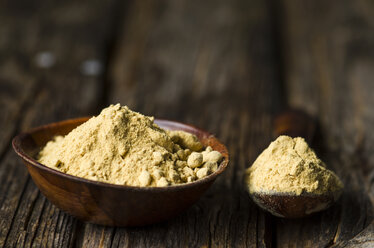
(225, 66)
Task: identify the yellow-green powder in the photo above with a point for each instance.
(289, 165)
(121, 146)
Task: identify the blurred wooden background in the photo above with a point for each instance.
(225, 66)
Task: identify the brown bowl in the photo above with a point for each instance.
(110, 204)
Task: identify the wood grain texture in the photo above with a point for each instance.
(224, 66)
(174, 61)
(36, 92)
(328, 48)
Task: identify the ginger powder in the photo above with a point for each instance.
(289, 165)
(124, 147)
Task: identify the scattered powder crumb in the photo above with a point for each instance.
(290, 165)
(123, 147)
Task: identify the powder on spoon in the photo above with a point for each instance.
(121, 146)
(289, 165)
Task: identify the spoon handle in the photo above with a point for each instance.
(294, 123)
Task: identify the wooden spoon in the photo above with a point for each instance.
(293, 206)
(294, 123)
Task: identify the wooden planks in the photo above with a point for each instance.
(329, 71)
(174, 61)
(189, 80)
(220, 65)
(46, 76)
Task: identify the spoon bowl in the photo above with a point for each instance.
(288, 205)
(294, 123)
(110, 204)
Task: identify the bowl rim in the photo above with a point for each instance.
(17, 146)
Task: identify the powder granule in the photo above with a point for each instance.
(289, 165)
(120, 146)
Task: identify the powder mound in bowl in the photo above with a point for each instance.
(121, 146)
(289, 165)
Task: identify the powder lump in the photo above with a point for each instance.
(123, 147)
(289, 165)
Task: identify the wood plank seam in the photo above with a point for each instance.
(17, 207)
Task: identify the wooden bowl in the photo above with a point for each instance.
(110, 204)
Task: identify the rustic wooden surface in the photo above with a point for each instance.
(225, 66)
